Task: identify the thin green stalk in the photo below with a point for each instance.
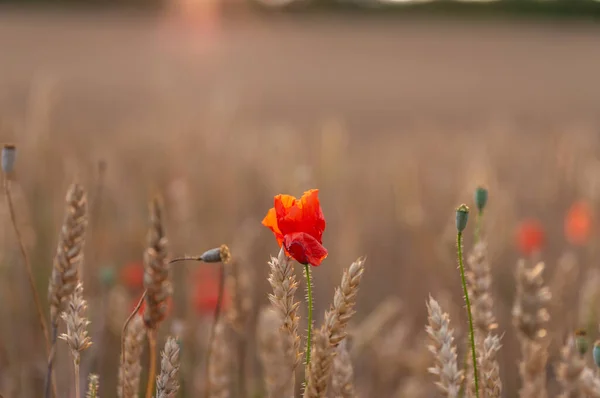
(468, 302)
(310, 310)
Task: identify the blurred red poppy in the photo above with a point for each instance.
(205, 295)
(298, 225)
(132, 275)
(578, 223)
(530, 236)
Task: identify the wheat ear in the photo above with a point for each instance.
(270, 341)
(334, 327)
(156, 283)
(442, 347)
(342, 379)
(530, 317)
(219, 377)
(489, 366)
(77, 336)
(167, 383)
(284, 284)
(131, 367)
(93, 390)
(66, 264)
(479, 282)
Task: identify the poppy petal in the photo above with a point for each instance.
(270, 221)
(304, 248)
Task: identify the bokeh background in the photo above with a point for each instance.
(396, 115)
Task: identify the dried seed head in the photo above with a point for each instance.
(156, 269)
(462, 216)
(218, 254)
(9, 153)
(77, 336)
(69, 253)
(481, 198)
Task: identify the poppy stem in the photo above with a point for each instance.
(310, 312)
(469, 315)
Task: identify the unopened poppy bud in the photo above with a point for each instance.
(481, 198)
(462, 216)
(9, 153)
(596, 353)
(581, 341)
(216, 255)
(107, 276)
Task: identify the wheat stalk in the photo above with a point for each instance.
(131, 367)
(342, 379)
(444, 350)
(530, 317)
(167, 383)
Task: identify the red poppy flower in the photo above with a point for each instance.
(132, 275)
(530, 236)
(298, 226)
(578, 223)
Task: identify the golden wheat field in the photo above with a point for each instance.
(134, 140)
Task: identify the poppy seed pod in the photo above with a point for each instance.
(216, 255)
(9, 153)
(462, 216)
(581, 342)
(481, 198)
(596, 353)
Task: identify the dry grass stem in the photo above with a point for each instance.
(444, 350)
(167, 382)
(530, 317)
(219, 375)
(342, 379)
(131, 367)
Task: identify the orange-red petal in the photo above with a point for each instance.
(270, 221)
(304, 215)
(530, 237)
(304, 248)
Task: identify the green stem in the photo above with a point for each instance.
(478, 223)
(468, 302)
(310, 310)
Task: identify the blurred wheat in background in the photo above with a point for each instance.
(143, 151)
